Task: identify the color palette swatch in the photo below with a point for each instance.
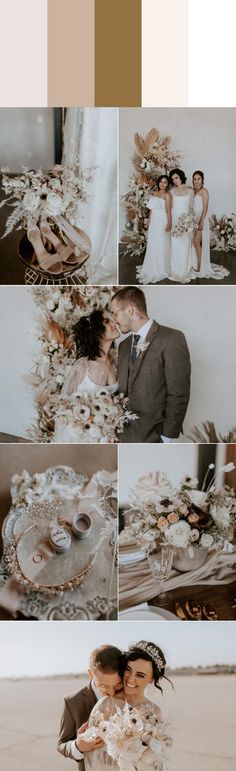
(117, 53)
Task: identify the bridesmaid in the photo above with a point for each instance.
(201, 259)
(156, 265)
(182, 203)
(200, 208)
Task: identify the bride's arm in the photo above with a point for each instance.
(74, 377)
(191, 201)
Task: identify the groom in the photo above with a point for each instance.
(105, 680)
(153, 368)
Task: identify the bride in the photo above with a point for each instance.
(203, 268)
(156, 264)
(94, 370)
(182, 203)
(144, 664)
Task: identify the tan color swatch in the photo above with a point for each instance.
(71, 36)
(118, 53)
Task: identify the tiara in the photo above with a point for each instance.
(153, 652)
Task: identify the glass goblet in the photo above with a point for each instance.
(160, 560)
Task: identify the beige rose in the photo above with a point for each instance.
(193, 518)
(162, 522)
(173, 517)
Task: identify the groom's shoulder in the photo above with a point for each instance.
(168, 332)
(73, 698)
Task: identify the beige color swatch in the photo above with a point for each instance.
(71, 36)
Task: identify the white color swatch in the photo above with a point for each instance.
(211, 53)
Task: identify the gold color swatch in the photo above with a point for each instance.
(118, 53)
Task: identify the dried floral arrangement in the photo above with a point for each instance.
(153, 156)
(207, 433)
(133, 737)
(59, 310)
(183, 516)
(223, 233)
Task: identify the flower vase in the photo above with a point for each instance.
(189, 557)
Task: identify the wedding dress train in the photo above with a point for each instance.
(181, 253)
(78, 383)
(156, 265)
(208, 269)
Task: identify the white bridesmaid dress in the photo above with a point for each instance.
(208, 269)
(181, 252)
(156, 265)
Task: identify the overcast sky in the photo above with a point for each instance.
(45, 648)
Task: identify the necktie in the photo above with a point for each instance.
(136, 339)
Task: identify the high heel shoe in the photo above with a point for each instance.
(66, 253)
(48, 262)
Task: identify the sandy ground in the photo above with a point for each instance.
(203, 709)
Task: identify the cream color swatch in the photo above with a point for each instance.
(164, 53)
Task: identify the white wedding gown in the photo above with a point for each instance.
(99, 760)
(65, 433)
(181, 252)
(156, 265)
(208, 269)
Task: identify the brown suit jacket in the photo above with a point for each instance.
(77, 709)
(157, 384)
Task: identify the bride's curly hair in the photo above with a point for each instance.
(149, 652)
(88, 333)
(181, 175)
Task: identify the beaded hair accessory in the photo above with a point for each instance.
(152, 651)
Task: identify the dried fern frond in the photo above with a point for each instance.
(139, 142)
(152, 137)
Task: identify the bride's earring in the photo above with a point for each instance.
(59, 539)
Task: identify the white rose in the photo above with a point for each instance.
(197, 497)
(178, 534)
(221, 516)
(206, 540)
(53, 204)
(153, 488)
(194, 535)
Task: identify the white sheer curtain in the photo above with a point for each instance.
(91, 134)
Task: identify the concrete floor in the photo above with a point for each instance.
(201, 709)
(127, 270)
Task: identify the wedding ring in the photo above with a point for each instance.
(37, 558)
(59, 539)
(81, 525)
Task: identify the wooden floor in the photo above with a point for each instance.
(127, 270)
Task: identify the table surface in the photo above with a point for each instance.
(221, 596)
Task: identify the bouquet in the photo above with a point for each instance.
(186, 224)
(135, 740)
(185, 515)
(36, 195)
(223, 232)
(98, 418)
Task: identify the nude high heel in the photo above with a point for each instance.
(66, 253)
(48, 262)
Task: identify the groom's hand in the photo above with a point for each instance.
(84, 746)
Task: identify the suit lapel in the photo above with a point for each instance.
(153, 331)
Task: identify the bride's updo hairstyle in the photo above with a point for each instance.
(88, 333)
(200, 174)
(181, 175)
(149, 652)
(162, 176)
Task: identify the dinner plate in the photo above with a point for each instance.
(133, 556)
(152, 613)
